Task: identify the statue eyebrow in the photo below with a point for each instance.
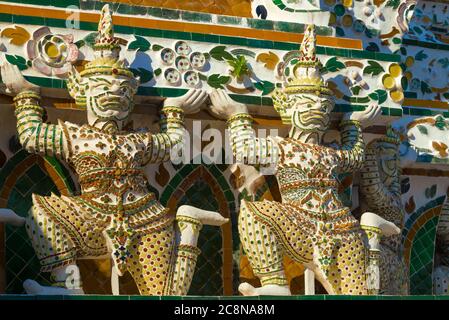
(100, 80)
(305, 97)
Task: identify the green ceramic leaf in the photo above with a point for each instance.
(433, 190)
(145, 75)
(427, 193)
(379, 95)
(339, 32)
(425, 88)
(373, 68)
(420, 56)
(219, 53)
(333, 65)
(217, 81)
(265, 86)
(19, 61)
(393, 3)
(80, 43)
(156, 47)
(140, 44)
(404, 83)
(423, 129)
(157, 72)
(440, 123)
(89, 40)
(356, 90)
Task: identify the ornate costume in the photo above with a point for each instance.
(380, 187)
(115, 213)
(311, 225)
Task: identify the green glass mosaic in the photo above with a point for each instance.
(421, 258)
(207, 279)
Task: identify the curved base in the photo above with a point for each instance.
(32, 287)
(269, 290)
(10, 217)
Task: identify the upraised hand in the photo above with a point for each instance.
(365, 117)
(223, 107)
(13, 80)
(190, 102)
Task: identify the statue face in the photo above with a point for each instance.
(389, 162)
(311, 112)
(109, 99)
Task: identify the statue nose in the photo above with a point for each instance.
(115, 87)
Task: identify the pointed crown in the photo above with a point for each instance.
(106, 60)
(306, 77)
(107, 50)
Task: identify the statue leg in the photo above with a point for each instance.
(348, 275)
(265, 255)
(150, 260)
(189, 222)
(56, 252)
(170, 270)
(60, 234)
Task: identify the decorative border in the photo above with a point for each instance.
(250, 37)
(417, 220)
(173, 14)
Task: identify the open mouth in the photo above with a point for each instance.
(110, 102)
(313, 115)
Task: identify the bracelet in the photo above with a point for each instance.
(351, 122)
(30, 107)
(172, 109)
(240, 116)
(27, 94)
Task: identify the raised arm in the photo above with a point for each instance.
(352, 150)
(380, 194)
(247, 148)
(35, 136)
(351, 153)
(172, 134)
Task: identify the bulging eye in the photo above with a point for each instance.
(124, 90)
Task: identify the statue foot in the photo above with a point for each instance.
(210, 218)
(373, 220)
(10, 217)
(268, 290)
(32, 287)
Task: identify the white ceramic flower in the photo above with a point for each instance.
(52, 54)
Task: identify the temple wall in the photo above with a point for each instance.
(393, 64)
